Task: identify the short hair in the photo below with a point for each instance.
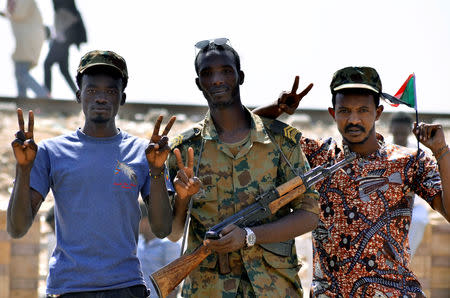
(220, 48)
(359, 91)
(104, 70)
(401, 117)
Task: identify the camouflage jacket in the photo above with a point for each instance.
(231, 183)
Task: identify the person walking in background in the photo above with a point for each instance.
(401, 127)
(69, 29)
(153, 252)
(28, 30)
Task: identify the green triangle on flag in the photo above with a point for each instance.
(405, 95)
(407, 92)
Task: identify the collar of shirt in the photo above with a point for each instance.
(380, 152)
(257, 131)
(257, 134)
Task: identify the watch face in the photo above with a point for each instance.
(251, 239)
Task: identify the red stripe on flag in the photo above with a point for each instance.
(403, 87)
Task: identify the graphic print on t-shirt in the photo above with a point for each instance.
(128, 172)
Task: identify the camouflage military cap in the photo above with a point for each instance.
(356, 77)
(106, 58)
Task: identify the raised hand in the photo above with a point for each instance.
(288, 102)
(158, 148)
(24, 147)
(185, 182)
(231, 239)
(431, 135)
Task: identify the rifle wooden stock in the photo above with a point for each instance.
(166, 279)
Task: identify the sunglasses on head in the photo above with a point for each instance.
(217, 41)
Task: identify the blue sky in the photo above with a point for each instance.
(275, 39)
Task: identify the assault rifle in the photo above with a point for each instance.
(166, 279)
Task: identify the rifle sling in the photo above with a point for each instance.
(272, 139)
(284, 248)
(188, 213)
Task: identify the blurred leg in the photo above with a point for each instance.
(20, 70)
(49, 61)
(64, 66)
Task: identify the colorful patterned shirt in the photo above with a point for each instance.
(231, 183)
(361, 244)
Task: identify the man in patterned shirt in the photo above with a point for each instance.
(361, 243)
(238, 156)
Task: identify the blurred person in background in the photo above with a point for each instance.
(401, 130)
(51, 237)
(153, 252)
(68, 29)
(29, 32)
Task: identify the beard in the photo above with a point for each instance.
(99, 120)
(224, 104)
(363, 140)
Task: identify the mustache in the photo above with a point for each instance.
(348, 127)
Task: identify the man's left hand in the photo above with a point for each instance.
(431, 135)
(232, 239)
(158, 149)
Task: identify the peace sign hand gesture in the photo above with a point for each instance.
(185, 183)
(24, 147)
(288, 102)
(158, 148)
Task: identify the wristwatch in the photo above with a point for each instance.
(250, 238)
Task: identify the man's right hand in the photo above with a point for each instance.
(24, 147)
(185, 183)
(288, 102)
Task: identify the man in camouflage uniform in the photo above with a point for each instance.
(238, 157)
(361, 246)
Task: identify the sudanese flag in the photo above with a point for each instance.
(405, 95)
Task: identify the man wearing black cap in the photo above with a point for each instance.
(361, 243)
(96, 174)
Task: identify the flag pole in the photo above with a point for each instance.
(417, 113)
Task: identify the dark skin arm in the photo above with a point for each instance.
(432, 136)
(158, 203)
(287, 102)
(295, 224)
(24, 202)
(233, 237)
